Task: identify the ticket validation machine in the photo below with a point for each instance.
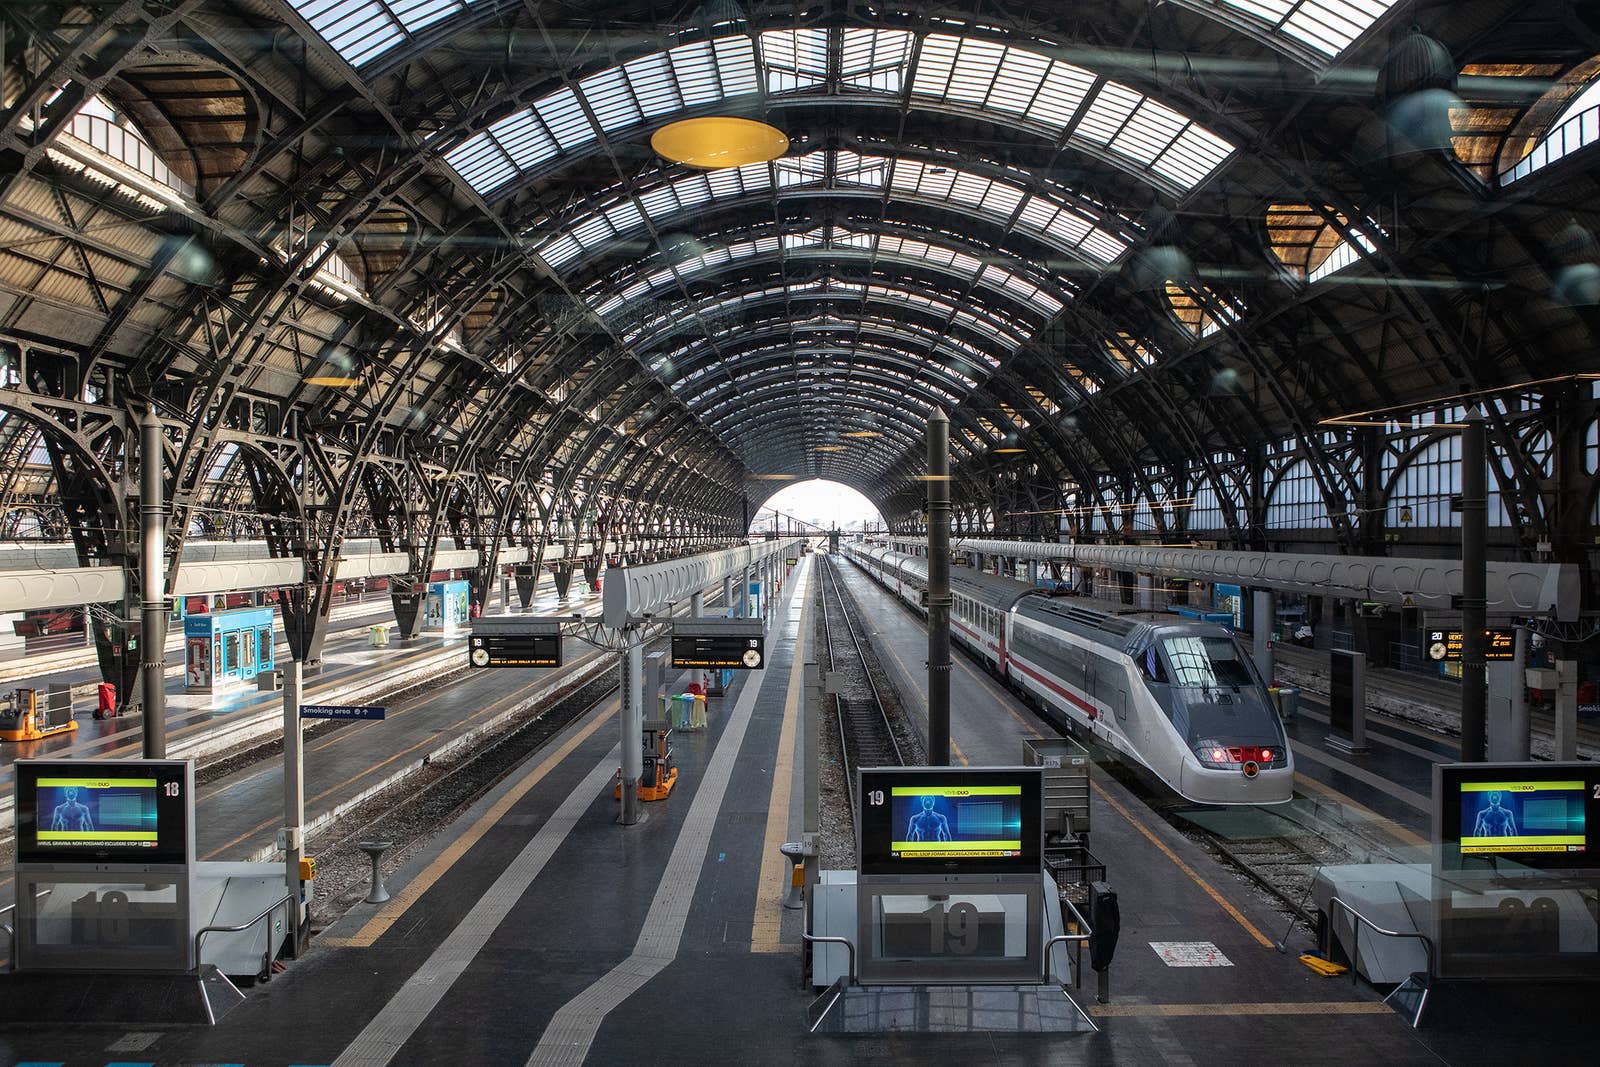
(949, 866)
(105, 865)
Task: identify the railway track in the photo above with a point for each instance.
(865, 736)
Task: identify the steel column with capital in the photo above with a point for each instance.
(939, 589)
(152, 584)
(1474, 583)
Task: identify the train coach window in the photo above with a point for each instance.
(1205, 662)
(1154, 669)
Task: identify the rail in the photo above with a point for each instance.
(1335, 903)
(1076, 940)
(11, 931)
(831, 581)
(238, 928)
(828, 939)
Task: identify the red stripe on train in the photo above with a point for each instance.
(1088, 709)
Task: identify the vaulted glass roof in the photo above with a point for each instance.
(833, 243)
(1073, 225)
(1005, 83)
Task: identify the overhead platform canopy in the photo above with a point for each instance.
(1513, 588)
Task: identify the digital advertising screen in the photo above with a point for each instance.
(102, 811)
(935, 821)
(1530, 815)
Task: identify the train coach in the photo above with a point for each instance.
(1176, 696)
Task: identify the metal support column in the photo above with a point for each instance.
(727, 593)
(1521, 721)
(1566, 708)
(152, 584)
(697, 606)
(631, 665)
(1474, 581)
(1265, 603)
(294, 794)
(939, 589)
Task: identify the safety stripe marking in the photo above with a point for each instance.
(1209, 889)
(572, 1030)
(766, 930)
(392, 1027)
(1405, 796)
(1174, 1011)
(391, 912)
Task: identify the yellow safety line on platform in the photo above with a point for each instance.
(773, 885)
(1410, 837)
(391, 912)
(1174, 1011)
(1209, 889)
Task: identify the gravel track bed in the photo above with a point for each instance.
(838, 846)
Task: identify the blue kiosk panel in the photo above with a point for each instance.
(226, 647)
(446, 607)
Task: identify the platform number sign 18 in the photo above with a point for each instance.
(173, 789)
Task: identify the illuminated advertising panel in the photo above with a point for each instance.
(950, 821)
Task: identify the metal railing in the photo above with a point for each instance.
(850, 946)
(11, 931)
(238, 928)
(1076, 940)
(1335, 903)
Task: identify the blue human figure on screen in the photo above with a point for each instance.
(1495, 821)
(928, 825)
(71, 815)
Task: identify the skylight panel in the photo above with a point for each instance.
(1061, 95)
(875, 59)
(1017, 80)
(653, 84)
(563, 117)
(611, 96)
(1327, 27)
(1111, 107)
(795, 59)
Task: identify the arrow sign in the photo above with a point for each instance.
(340, 711)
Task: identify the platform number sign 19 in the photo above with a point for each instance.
(875, 798)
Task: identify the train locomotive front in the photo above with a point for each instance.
(1225, 742)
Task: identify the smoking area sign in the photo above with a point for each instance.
(1444, 646)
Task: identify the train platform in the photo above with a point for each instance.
(537, 931)
(1262, 1005)
(205, 724)
(243, 808)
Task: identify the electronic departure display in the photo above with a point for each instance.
(102, 811)
(1446, 646)
(725, 651)
(920, 821)
(514, 650)
(1538, 816)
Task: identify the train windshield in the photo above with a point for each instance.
(1205, 662)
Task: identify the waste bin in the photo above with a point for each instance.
(1288, 702)
(378, 636)
(105, 700)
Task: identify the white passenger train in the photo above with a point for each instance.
(1177, 696)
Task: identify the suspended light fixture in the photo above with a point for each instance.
(718, 141)
(333, 381)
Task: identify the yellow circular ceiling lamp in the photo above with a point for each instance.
(333, 381)
(719, 141)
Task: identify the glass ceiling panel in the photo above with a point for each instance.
(842, 242)
(978, 319)
(1009, 84)
(1326, 27)
(1072, 229)
(360, 30)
